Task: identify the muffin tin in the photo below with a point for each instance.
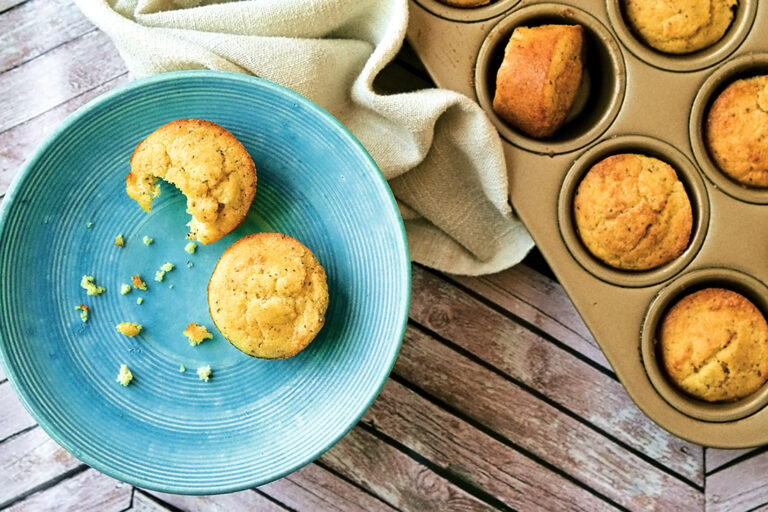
(635, 100)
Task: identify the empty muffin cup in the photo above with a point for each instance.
(602, 87)
(468, 11)
(665, 302)
(686, 172)
(743, 19)
(747, 66)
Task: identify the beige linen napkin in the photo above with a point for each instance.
(441, 155)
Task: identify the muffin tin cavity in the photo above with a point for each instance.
(603, 82)
(686, 172)
(742, 23)
(744, 284)
(742, 67)
(467, 14)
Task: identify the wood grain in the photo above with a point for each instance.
(549, 370)
(716, 458)
(740, 487)
(314, 488)
(393, 476)
(243, 500)
(539, 428)
(474, 456)
(549, 310)
(22, 36)
(17, 143)
(30, 460)
(13, 416)
(143, 503)
(54, 78)
(89, 490)
(7, 5)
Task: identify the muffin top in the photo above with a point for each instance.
(682, 26)
(210, 167)
(268, 295)
(736, 131)
(714, 345)
(632, 212)
(538, 81)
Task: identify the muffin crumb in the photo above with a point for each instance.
(83, 312)
(138, 283)
(125, 289)
(147, 240)
(124, 377)
(191, 247)
(196, 334)
(129, 329)
(204, 373)
(90, 287)
(119, 240)
(164, 269)
(139, 301)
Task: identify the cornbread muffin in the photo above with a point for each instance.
(465, 3)
(539, 78)
(714, 345)
(207, 163)
(736, 131)
(268, 295)
(680, 26)
(632, 212)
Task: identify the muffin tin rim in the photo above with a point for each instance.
(496, 35)
(720, 277)
(734, 37)
(468, 14)
(688, 175)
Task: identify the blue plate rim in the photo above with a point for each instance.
(26, 170)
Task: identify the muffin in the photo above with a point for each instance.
(268, 295)
(539, 78)
(736, 131)
(713, 344)
(210, 167)
(682, 26)
(632, 212)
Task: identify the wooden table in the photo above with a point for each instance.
(500, 398)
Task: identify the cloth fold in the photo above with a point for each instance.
(442, 157)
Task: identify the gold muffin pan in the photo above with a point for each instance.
(634, 99)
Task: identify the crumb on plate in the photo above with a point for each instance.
(164, 269)
(83, 312)
(204, 372)
(147, 240)
(191, 247)
(138, 283)
(125, 376)
(196, 334)
(88, 284)
(190, 264)
(182, 369)
(139, 301)
(125, 289)
(119, 240)
(89, 225)
(129, 329)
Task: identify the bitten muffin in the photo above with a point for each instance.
(682, 26)
(714, 345)
(465, 3)
(736, 131)
(210, 167)
(268, 295)
(538, 81)
(632, 212)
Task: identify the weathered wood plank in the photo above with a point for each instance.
(89, 490)
(474, 456)
(57, 76)
(6, 5)
(37, 26)
(13, 416)
(566, 328)
(539, 428)
(716, 458)
(314, 488)
(743, 486)
(549, 370)
(18, 143)
(143, 503)
(243, 500)
(30, 460)
(394, 477)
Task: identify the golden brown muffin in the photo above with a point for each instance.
(737, 131)
(268, 295)
(714, 345)
(680, 26)
(537, 82)
(207, 163)
(632, 212)
(465, 3)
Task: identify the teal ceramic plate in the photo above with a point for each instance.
(255, 420)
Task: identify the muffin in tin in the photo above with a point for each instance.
(736, 131)
(680, 27)
(632, 212)
(713, 345)
(539, 78)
